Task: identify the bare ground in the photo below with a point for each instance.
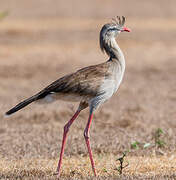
(41, 45)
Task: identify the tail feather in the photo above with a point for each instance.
(22, 105)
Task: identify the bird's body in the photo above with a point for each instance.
(91, 86)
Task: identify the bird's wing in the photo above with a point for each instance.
(84, 82)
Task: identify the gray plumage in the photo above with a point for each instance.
(91, 85)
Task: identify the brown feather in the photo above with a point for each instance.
(84, 82)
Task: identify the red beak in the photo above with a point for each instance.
(126, 29)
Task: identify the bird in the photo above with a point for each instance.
(90, 86)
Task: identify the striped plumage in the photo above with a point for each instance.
(91, 86)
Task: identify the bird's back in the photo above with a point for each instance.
(83, 84)
(93, 84)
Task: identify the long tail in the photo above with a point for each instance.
(21, 105)
(24, 103)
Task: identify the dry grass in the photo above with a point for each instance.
(78, 167)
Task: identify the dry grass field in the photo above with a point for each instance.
(41, 41)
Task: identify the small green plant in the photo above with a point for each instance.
(158, 138)
(135, 145)
(121, 160)
(105, 170)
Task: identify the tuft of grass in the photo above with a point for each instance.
(159, 142)
(135, 145)
(158, 136)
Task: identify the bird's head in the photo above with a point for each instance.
(114, 28)
(111, 30)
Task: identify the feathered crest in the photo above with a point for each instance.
(118, 21)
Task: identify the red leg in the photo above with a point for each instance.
(66, 129)
(86, 136)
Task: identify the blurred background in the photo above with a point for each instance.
(43, 40)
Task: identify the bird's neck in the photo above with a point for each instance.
(116, 53)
